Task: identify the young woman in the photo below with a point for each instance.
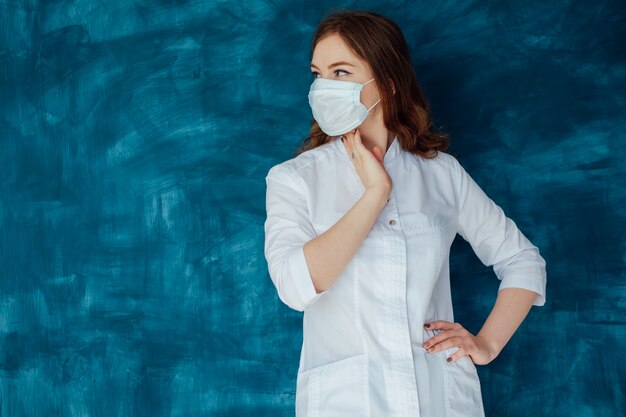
(358, 233)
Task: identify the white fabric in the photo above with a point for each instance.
(361, 352)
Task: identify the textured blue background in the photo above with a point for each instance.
(134, 141)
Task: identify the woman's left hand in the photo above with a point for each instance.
(455, 335)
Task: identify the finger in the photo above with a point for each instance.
(363, 150)
(441, 341)
(353, 148)
(378, 153)
(349, 135)
(456, 355)
(350, 141)
(439, 324)
(357, 141)
(347, 144)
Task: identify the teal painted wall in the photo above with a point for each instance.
(134, 140)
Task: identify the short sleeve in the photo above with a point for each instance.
(496, 239)
(287, 229)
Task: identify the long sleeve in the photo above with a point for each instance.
(496, 239)
(287, 229)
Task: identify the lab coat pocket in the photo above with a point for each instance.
(462, 386)
(337, 389)
(463, 394)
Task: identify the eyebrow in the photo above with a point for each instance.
(335, 64)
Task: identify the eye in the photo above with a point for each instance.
(315, 73)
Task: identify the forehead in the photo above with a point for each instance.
(332, 48)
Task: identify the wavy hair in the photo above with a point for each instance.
(379, 41)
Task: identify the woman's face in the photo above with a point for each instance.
(332, 59)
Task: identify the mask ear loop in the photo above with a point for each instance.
(368, 110)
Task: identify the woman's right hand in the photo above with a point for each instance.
(368, 164)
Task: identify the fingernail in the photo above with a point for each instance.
(426, 346)
(449, 359)
(342, 138)
(427, 325)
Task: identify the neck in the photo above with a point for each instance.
(380, 137)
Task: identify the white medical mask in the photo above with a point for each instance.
(336, 105)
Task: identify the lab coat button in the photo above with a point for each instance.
(392, 222)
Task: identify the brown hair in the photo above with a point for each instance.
(379, 41)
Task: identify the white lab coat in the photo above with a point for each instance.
(361, 351)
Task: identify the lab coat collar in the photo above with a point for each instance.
(393, 151)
